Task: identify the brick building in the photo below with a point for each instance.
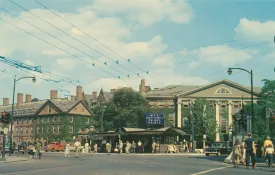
(53, 118)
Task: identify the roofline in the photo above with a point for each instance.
(216, 83)
(82, 102)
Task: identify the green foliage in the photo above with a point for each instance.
(34, 99)
(126, 109)
(204, 120)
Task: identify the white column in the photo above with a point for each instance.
(229, 115)
(179, 117)
(217, 121)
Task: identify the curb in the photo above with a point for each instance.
(124, 154)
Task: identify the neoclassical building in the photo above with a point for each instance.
(221, 95)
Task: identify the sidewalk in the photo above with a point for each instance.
(138, 154)
(11, 159)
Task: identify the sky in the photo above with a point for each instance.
(115, 43)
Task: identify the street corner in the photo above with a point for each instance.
(13, 159)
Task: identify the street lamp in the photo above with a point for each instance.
(229, 71)
(12, 110)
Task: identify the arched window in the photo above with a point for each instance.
(223, 91)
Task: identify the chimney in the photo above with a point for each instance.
(6, 101)
(53, 94)
(113, 91)
(19, 99)
(28, 98)
(78, 93)
(142, 86)
(95, 94)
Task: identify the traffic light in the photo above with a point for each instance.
(5, 117)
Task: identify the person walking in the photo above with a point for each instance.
(95, 148)
(269, 151)
(237, 153)
(139, 146)
(77, 145)
(267, 142)
(38, 149)
(67, 150)
(250, 151)
(243, 151)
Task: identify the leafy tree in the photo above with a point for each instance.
(203, 116)
(34, 99)
(126, 109)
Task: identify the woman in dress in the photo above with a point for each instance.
(237, 153)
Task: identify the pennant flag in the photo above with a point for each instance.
(117, 62)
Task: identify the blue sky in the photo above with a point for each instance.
(178, 42)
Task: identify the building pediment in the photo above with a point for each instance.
(221, 89)
(49, 108)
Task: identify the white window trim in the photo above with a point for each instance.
(216, 92)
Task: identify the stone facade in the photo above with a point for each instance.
(221, 95)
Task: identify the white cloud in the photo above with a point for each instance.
(193, 64)
(145, 12)
(163, 60)
(254, 30)
(65, 63)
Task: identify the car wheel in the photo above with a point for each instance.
(207, 154)
(52, 150)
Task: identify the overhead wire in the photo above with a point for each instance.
(104, 63)
(127, 60)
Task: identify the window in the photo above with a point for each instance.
(42, 120)
(88, 121)
(71, 129)
(37, 130)
(48, 129)
(38, 120)
(83, 110)
(27, 130)
(58, 119)
(50, 109)
(236, 106)
(54, 119)
(71, 119)
(27, 121)
(42, 129)
(21, 130)
(17, 121)
(54, 129)
(58, 128)
(223, 91)
(31, 130)
(22, 121)
(186, 106)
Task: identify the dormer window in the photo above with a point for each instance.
(223, 91)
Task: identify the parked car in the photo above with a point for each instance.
(218, 148)
(55, 146)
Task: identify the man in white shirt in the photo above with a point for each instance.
(77, 145)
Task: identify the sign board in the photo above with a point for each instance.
(154, 119)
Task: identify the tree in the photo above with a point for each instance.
(34, 99)
(204, 121)
(126, 109)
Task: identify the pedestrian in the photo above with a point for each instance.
(67, 150)
(154, 147)
(250, 151)
(237, 153)
(86, 148)
(133, 147)
(269, 151)
(139, 146)
(267, 142)
(243, 151)
(38, 149)
(120, 146)
(77, 145)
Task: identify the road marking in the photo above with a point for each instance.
(210, 170)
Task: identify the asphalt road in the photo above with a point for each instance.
(126, 165)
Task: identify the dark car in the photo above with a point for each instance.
(218, 148)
